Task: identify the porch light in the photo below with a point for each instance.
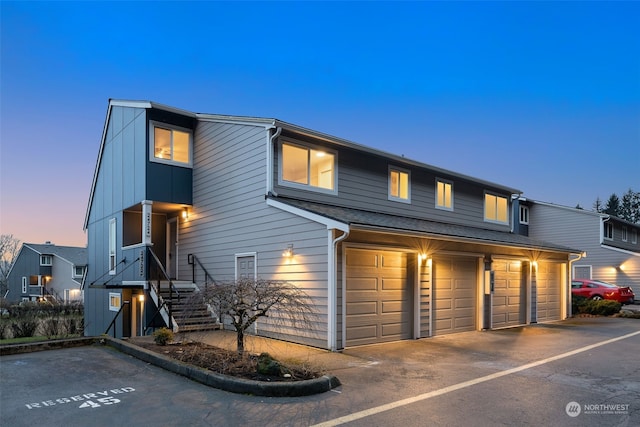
(141, 298)
(288, 253)
(621, 267)
(534, 264)
(185, 213)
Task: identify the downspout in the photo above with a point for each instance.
(270, 142)
(332, 289)
(567, 293)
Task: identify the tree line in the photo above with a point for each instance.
(626, 208)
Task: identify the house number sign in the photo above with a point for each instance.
(89, 400)
(147, 224)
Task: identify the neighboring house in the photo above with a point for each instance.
(388, 248)
(47, 273)
(611, 244)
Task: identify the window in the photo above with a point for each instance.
(399, 186)
(496, 208)
(308, 167)
(524, 214)
(46, 259)
(112, 246)
(608, 231)
(78, 271)
(624, 234)
(24, 284)
(170, 144)
(444, 194)
(114, 301)
(634, 236)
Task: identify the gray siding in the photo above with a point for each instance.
(362, 183)
(230, 216)
(26, 264)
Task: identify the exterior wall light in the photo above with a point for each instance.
(288, 253)
(185, 213)
(534, 264)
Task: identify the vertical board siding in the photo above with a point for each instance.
(230, 216)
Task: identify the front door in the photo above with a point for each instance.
(172, 248)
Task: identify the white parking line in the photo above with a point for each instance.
(445, 390)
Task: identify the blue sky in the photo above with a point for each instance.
(540, 96)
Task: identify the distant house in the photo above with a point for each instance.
(46, 272)
(388, 248)
(611, 244)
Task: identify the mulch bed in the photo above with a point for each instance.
(226, 362)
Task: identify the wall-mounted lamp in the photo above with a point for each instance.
(621, 267)
(534, 264)
(288, 253)
(141, 298)
(424, 257)
(185, 213)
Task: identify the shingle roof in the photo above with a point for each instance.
(366, 219)
(75, 255)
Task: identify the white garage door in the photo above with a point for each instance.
(509, 293)
(378, 297)
(454, 294)
(548, 292)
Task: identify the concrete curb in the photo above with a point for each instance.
(211, 379)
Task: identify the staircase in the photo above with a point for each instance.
(188, 312)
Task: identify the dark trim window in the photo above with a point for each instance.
(46, 260)
(496, 208)
(307, 167)
(524, 215)
(624, 234)
(444, 194)
(170, 144)
(608, 231)
(399, 185)
(634, 236)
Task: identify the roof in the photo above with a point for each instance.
(356, 218)
(75, 255)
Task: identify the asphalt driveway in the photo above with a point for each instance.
(581, 372)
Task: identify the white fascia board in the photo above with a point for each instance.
(624, 251)
(240, 120)
(330, 223)
(569, 208)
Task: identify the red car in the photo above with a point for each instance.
(596, 289)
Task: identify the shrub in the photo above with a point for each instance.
(24, 327)
(4, 329)
(267, 365)
(163, 336)
(603, 307)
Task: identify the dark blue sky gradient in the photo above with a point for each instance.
(541, 96)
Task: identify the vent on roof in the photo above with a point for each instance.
(48, 242)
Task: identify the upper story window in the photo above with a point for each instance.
(608, 231)
(78, 271)
(444, 194)
(46, 259)
(170, 144)
(524, 215)
(308, 167)
(624, 234)
(399, 185)
(634, 236)
(112, 246)
(496, 208)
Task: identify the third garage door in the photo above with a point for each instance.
(378, 297)
(508, 305)
(454, 294)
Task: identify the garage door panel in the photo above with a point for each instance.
(454, 294)
(548, 292)
(508, 304)
(378, 298)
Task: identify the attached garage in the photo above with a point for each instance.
(454, 294)
(378, 296)
(508, 306)
(548, 289)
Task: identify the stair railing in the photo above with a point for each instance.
(193, 261)
(158, 273)
(113, 322)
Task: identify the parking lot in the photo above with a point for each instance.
(581, 372)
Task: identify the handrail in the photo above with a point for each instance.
(193, 259)
(113, 322)
(172, 288)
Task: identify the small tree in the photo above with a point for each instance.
(9, 248)
(246, 300)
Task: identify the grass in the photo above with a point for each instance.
(33, 339)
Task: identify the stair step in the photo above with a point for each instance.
(202, 327)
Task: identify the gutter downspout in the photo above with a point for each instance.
(270, 142)
(570, 273)
(332, 289)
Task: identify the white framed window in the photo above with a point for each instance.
(608, 231)
(307, 167)
(78, 271)
(624, 234)
(496, 208)
(524, 214)
(444, 194)
(115, 301)
(399, 185)
(634, 236)
(170, 144)
(112, 246)
(24, 284)
(46, 260)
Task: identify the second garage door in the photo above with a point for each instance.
(548, 292)
(378, 297)
(454, 294)
(508, 306)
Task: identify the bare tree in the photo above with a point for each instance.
(9, 248)
(244, 301)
